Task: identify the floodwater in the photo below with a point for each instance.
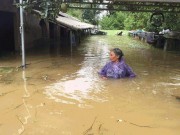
(62, 94)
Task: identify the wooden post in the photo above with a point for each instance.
(166, 44)
(71, 40)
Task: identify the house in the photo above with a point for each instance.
(36, 29)
(9, 27)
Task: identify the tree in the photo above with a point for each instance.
(45, 8)
(113, 21)
(136, 20)
(106, 23)
(172, 21)
(139, 20)
(90, 16)
(75, 13)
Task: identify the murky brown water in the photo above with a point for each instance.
(63, 95)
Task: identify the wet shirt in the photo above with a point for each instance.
(117, 70)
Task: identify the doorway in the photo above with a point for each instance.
(7, 41)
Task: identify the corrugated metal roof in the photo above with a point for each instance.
(68, 16)
(73, 24)
(69, 21)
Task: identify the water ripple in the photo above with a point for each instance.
(83, 85)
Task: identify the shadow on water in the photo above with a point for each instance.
(51, 47)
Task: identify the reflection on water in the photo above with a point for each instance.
(83, 84)
(24, 119)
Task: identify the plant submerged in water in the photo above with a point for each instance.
(4, 70)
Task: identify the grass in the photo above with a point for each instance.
(114, 32)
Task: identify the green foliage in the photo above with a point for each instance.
(75, 13)
(172, 21)
(113, 22)
(47, 8)
(106, 23)
(129, 23)
(89, 16)
(138, 20)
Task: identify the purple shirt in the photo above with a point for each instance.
(117, 70)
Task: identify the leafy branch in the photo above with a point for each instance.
(48, 9)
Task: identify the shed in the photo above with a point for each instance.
(71, 22)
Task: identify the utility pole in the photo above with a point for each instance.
(22, 34)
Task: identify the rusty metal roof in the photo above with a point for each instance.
(69, 21)
(72, 23)
(68, 16)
